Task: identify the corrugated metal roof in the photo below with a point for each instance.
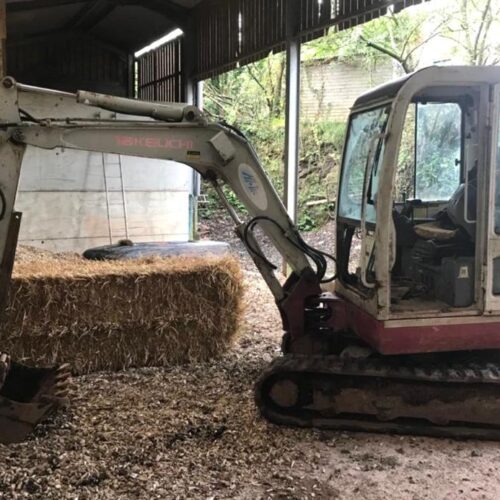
(235, 32)
(225, 33)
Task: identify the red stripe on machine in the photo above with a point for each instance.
(153, 142)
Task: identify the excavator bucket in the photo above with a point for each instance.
(27, 396)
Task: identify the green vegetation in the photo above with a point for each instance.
(465, 30)
(252, 98)
(396, 36)
(429, 157)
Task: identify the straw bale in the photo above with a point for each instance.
(112, 315)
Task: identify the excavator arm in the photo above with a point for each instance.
(177, 132)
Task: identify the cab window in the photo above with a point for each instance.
(430, 154)
(363, 152)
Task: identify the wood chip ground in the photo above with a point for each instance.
(193, 432)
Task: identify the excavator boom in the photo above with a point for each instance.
(50, 119)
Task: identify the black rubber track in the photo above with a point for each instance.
(459, 376)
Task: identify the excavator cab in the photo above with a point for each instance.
(415, 311)
(417, 211)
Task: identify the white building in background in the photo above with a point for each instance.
(329, 88)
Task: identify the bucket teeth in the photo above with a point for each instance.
(4, 367)
(62, 383)
(28, 396)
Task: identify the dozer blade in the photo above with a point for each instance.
(27, 396)
(381, 395)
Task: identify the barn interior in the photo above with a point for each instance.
(178, 432)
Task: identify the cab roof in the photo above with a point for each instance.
(432, 74)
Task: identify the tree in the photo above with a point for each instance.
(252, 98)
(398, 37)
(473, 27)
(249, 94)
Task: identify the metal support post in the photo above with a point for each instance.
(199, 104)
(190, 91)
(292, 124)
(191, 96)
(200, 86)
(3, 39)
(292, 127)
(196, 181)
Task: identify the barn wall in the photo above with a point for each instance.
(70, 63)
(160, 76)
(329, 89)
(73, 200)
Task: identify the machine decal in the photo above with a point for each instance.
(193, 155)
(153, 142)
(252, 186)
(463, 273)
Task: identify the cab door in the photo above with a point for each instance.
(492, 263)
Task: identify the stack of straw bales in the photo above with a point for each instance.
(117, 314)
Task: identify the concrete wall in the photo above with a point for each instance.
(73, 200)
(66, 205)
(330, 88)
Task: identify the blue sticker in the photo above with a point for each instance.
(253, 187)
(250, 182)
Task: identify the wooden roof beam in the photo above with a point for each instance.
(22, 5)
(91, 14)
(173, 12)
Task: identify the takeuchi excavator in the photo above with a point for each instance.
(407, 340)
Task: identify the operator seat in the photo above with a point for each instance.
(433, 231)
(456, 208)
(454, 212)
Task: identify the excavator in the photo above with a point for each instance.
(407, 338)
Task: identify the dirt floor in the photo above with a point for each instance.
(193, 432)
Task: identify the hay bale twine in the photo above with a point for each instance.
(112, 315)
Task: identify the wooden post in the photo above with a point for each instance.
(3, 39)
